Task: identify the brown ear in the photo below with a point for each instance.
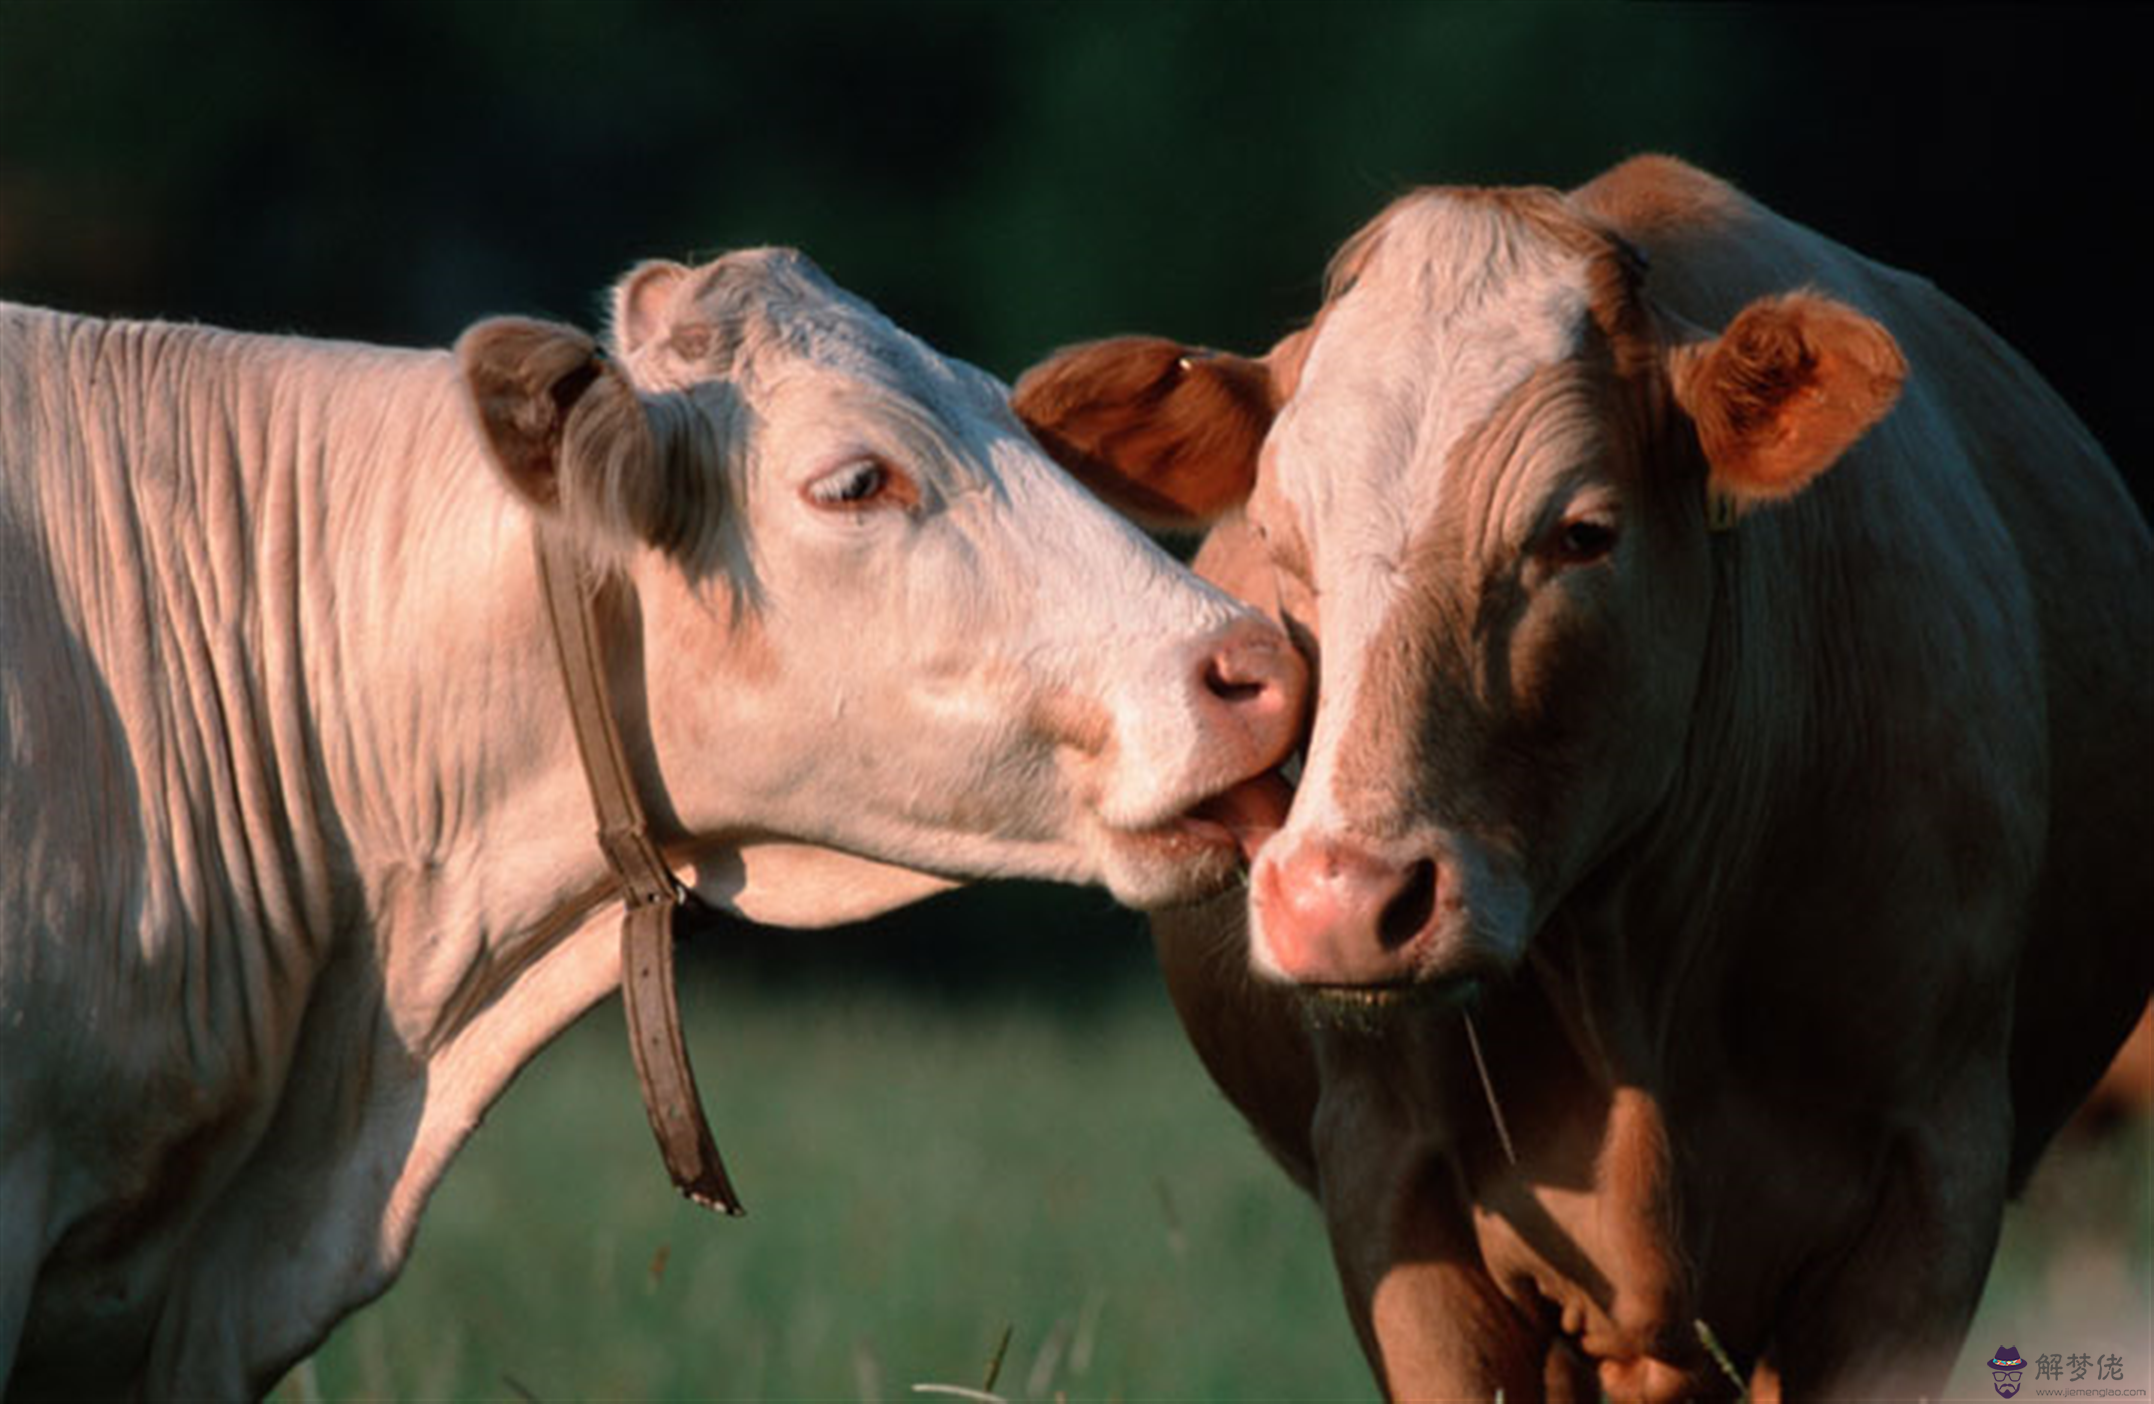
(1167, 434)
(571, 435)
(1784, 391)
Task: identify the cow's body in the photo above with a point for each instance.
(296, 857)
(1775, 1018)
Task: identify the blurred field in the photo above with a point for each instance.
(921, 1171)
(2075, 1272)
(927, 1165)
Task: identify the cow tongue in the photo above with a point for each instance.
(1252, 810)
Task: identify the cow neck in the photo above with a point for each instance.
(652, 897)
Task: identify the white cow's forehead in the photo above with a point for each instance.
(1458, 303)
(766, 316)
(811, 356)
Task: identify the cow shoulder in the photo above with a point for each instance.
(1652, 196)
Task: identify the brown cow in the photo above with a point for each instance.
(1780, 827)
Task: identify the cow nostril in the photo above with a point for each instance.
(1407, 914)
(1221, 681)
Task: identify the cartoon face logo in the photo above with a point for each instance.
(2004, 1368)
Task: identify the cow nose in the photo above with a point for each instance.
(1333, 912)
(1250, 688)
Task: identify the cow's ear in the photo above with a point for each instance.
(643, 303)
(1783, 392)
(1166, 434)
(573, 438)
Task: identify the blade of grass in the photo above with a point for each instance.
(994, 1362)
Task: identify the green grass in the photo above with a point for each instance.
(923, 1172)
(920, 1175)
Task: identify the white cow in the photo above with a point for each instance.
(296, 856)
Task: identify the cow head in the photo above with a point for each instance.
(1484, 493)
(879, 624)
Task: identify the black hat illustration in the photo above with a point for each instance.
(2007, 1358)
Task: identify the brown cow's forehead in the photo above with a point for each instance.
(1532, 212)
(1443, 307)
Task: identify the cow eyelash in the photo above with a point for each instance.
(1583, 540)
(860, 484)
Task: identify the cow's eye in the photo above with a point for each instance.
(1583, 540)
(858, 484)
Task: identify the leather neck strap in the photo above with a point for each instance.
(653, 896)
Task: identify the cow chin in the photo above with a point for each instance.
(1371, 1009)
(1166, 867)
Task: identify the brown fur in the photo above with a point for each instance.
(1655, 196)
(1166, 433)
(1171, 434)
(1780, 1048)
(1785, 390)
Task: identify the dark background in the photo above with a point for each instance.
(1002, 176)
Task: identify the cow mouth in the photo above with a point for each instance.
(1200, 851)
(1242, 816)
(1369, 1007)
